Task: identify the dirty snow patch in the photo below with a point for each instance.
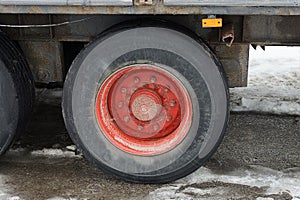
(61, 198)
(260, 182)
(67, 152)
(274, 82)
(4, 191)
(56, 153)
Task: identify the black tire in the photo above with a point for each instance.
(16, 92)
(188, 59)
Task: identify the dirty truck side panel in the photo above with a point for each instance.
(225, 7)
(278, 23)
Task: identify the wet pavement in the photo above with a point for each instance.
(265, 142)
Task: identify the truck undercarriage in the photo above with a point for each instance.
(145, 82)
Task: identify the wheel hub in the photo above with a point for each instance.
(147, 110)
(145, 105)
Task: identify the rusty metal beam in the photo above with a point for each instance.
(156, 8)
(67, 2)
(228, 3)
(276, 29)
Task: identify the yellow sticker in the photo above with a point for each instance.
(212, 22)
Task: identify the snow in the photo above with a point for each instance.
(61, 198)
(274, 82)
(69, 153)
(4, 191)
(205, 183)
(276, 66)
(274, 87)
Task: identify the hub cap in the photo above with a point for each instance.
(143, 110)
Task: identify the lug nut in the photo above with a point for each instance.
(123, 89)
(155, 127)
(172, 103)
(126, 118)
(136, 79)
(120, 104)
(153, 79)
(140, 128)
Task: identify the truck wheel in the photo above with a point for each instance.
(146, 104)
(16, 92)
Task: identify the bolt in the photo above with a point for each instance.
(126, 118)
(120, 104)
(123, 89)
(172, 103)
(166, 90)
(153, 79)
(136, 79)
(140, 128)
(155, 127)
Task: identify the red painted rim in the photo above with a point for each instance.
(143, 110)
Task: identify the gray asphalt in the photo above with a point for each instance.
(252, 139)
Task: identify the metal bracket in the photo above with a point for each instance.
(144, 2)
(227, 34)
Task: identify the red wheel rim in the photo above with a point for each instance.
(143, 110)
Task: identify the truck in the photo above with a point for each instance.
(145, 82)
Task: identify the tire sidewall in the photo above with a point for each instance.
(9, 107)
(92, 67)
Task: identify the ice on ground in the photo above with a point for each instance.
(275, 67)
(255, 182)
(4, 191)
(57, 152)
(68, 152)
(274, 82)
(61, 198)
